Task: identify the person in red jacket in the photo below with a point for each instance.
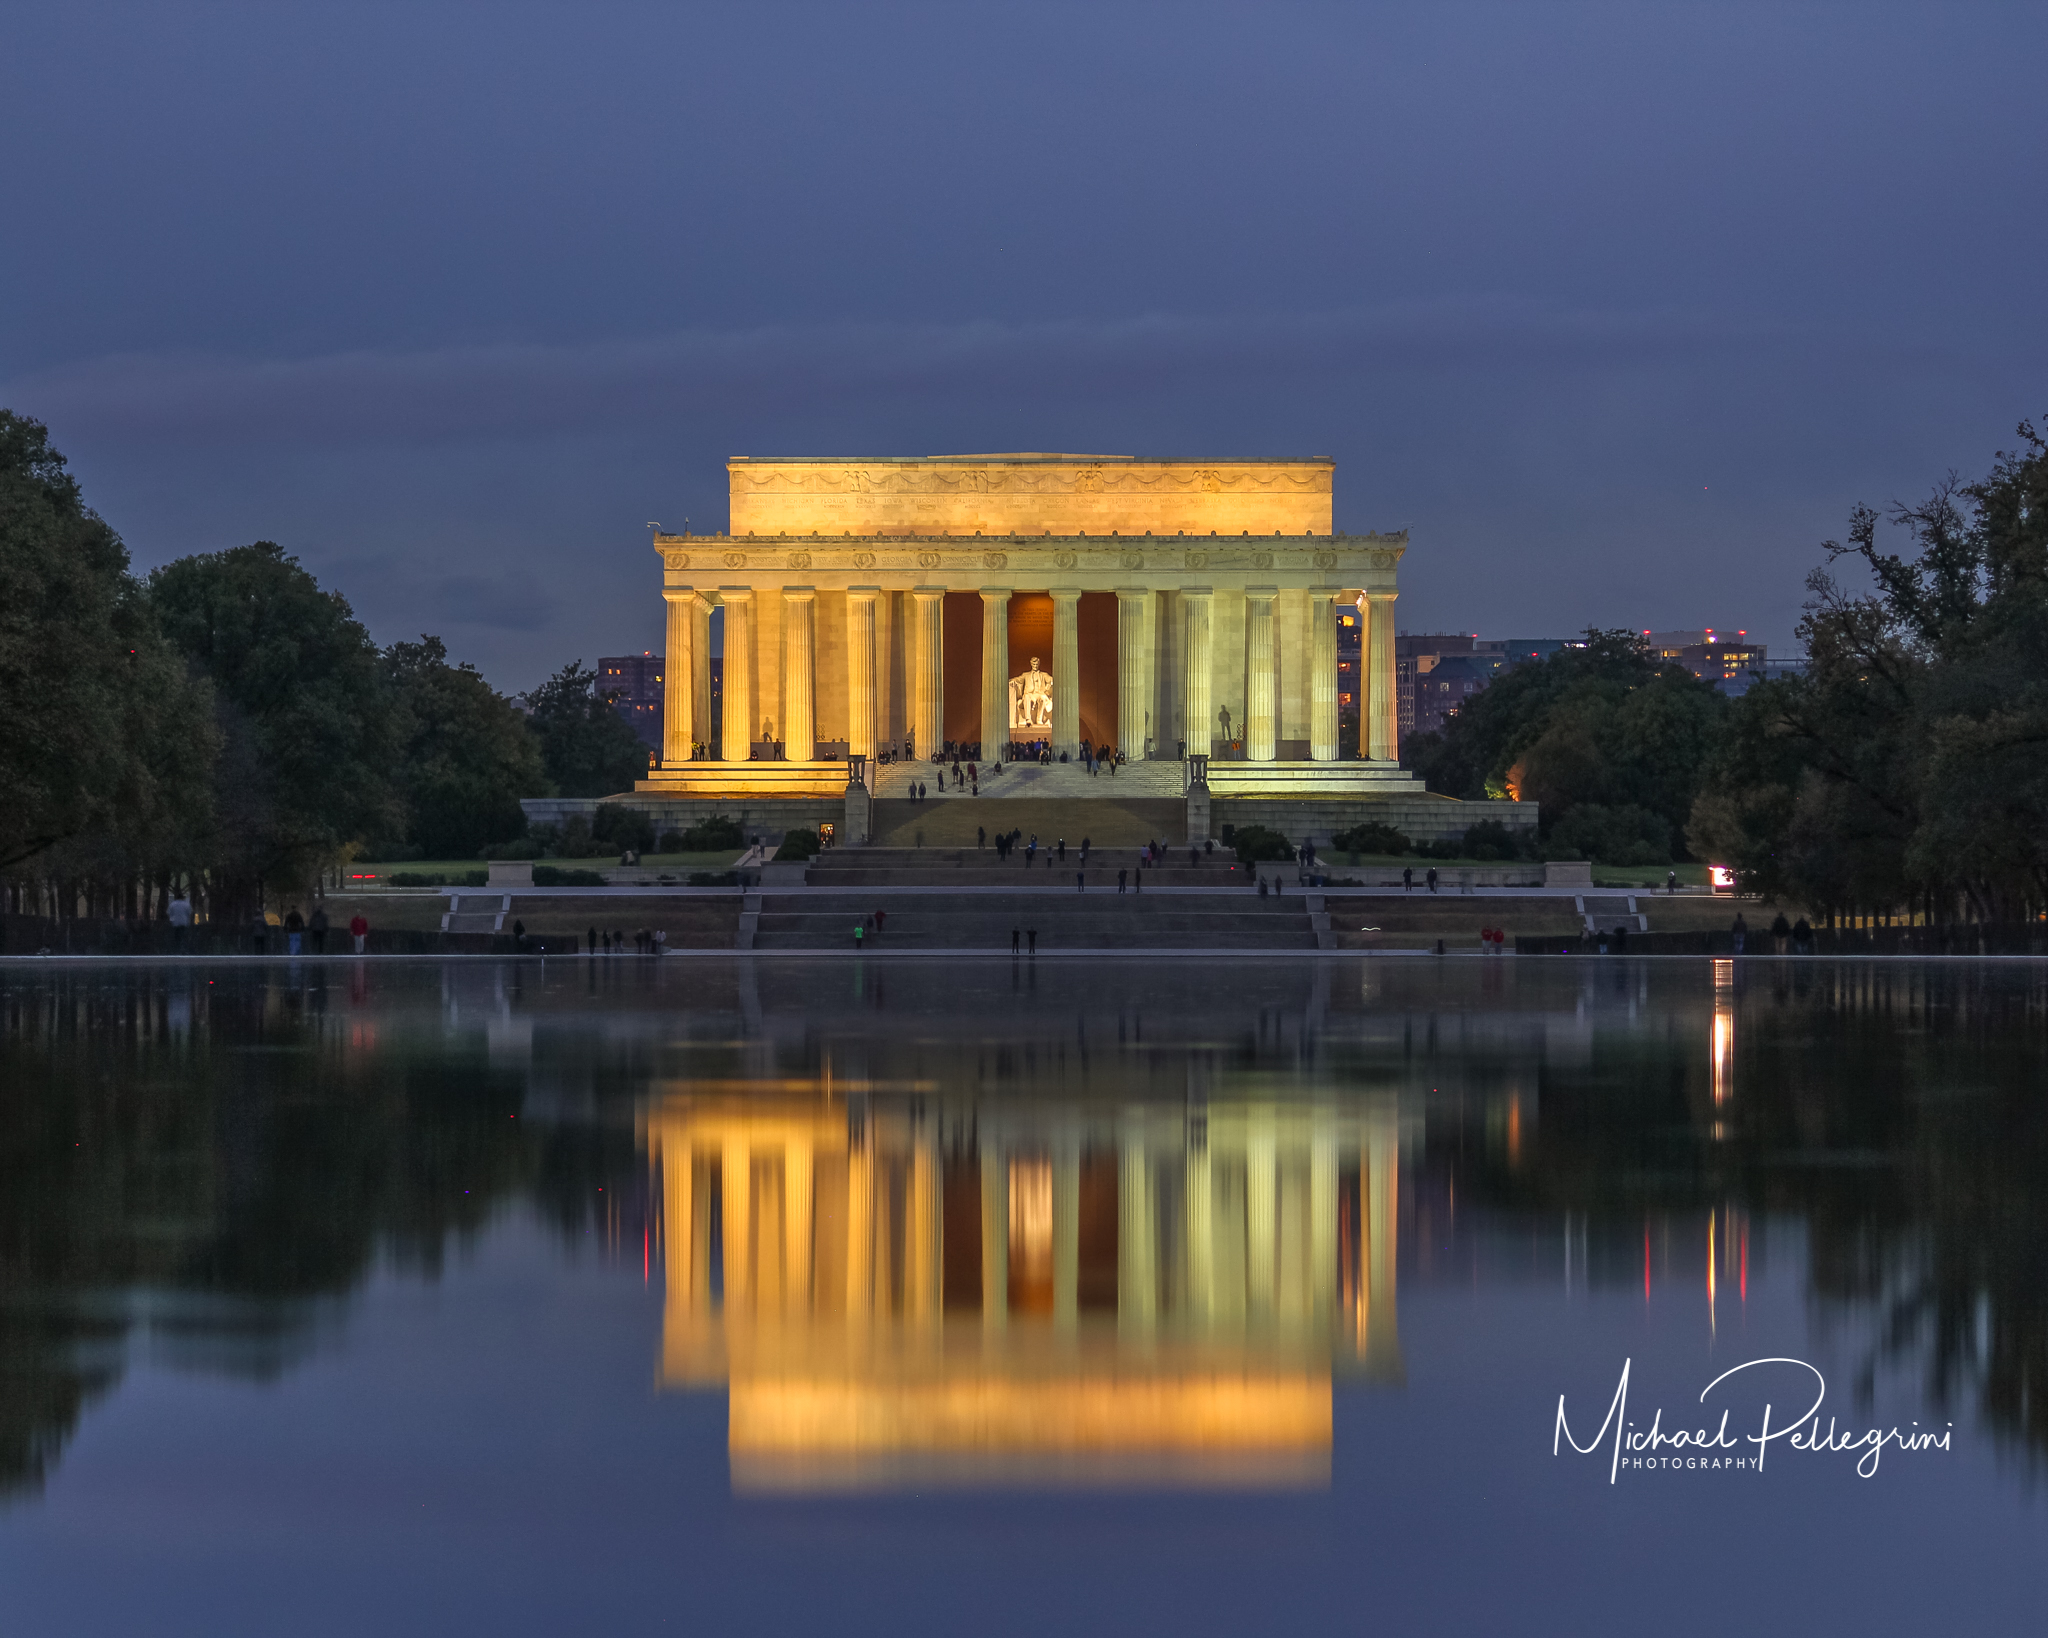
(359, 929)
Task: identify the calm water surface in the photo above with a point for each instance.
(922, 1296)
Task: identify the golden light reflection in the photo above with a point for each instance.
(892, 1293)
(1723, 1049)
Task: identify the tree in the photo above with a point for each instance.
(1910, 764)
(1601, 723)
(104, 742)
(307, 720)
(588, 748)
(466, 755)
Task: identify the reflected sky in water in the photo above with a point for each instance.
(985, 1297)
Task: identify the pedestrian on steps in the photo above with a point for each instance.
(1121, 877)
(1032, 935)
(1080, 881)
(980, 836)
(1016, 933)
(359, 930)
(1432, 878)
(860, 932)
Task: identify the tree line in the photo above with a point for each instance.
(226, 727)
(1904, 775)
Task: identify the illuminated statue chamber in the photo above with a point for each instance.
(1070, 1295)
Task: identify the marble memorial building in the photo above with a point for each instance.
(1169, 609)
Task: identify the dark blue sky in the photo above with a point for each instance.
(1617, 308)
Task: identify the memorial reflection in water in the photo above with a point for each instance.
(898, 1287)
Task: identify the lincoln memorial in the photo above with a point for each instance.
(1176, 612)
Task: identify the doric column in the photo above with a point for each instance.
(799, 673)
(1260, 701)
(678, 668)
(1381, 719)
(861, 714)
(928, 670)
(1066, 673)
(1322, 678)
(738, 724)
(1133, 673)
(995, 672)
(703, 725)
(1195, 671)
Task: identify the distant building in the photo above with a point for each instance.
(1432, 687)
(1718, 658)
(1763, 671)
(632, 682)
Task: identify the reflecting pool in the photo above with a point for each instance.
(620, 1294)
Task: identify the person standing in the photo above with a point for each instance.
(1080, 881)
(881, 919)
(1016, 935)
(1407, 878)
(317, 925)
(1121, 877)
(1032, 935)
(980, 836)
(1062, 849)
(860, 932)
(1084, 852)
(359, 930)
(1432, 878)
(180, 914)
(1741, 932)
(519, 937)
(1781, 929)
(1671, 881)
(294, 930)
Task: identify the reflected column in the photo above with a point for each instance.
(1066, 1229)
(1137, 1270)
(995, 1237)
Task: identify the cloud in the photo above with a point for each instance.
(496, 391)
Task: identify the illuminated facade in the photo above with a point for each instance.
(899, 1290)
(1187, 608)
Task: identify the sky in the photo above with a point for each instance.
(1618, 309)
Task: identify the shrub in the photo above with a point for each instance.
(797, 846)
(713, 835)
(622, 828)
(410, 878)
(714, 878)
(524, 847)
(1372, 837)
(1255, 844)
(1625, 835)
(1490, 839)
(555, 876)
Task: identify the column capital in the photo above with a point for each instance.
(926, 594)
(867, 594)
(998, 591)
(1382, 596)
(1060, 595)
(736, 594)
(688, 596)
(799, 594)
